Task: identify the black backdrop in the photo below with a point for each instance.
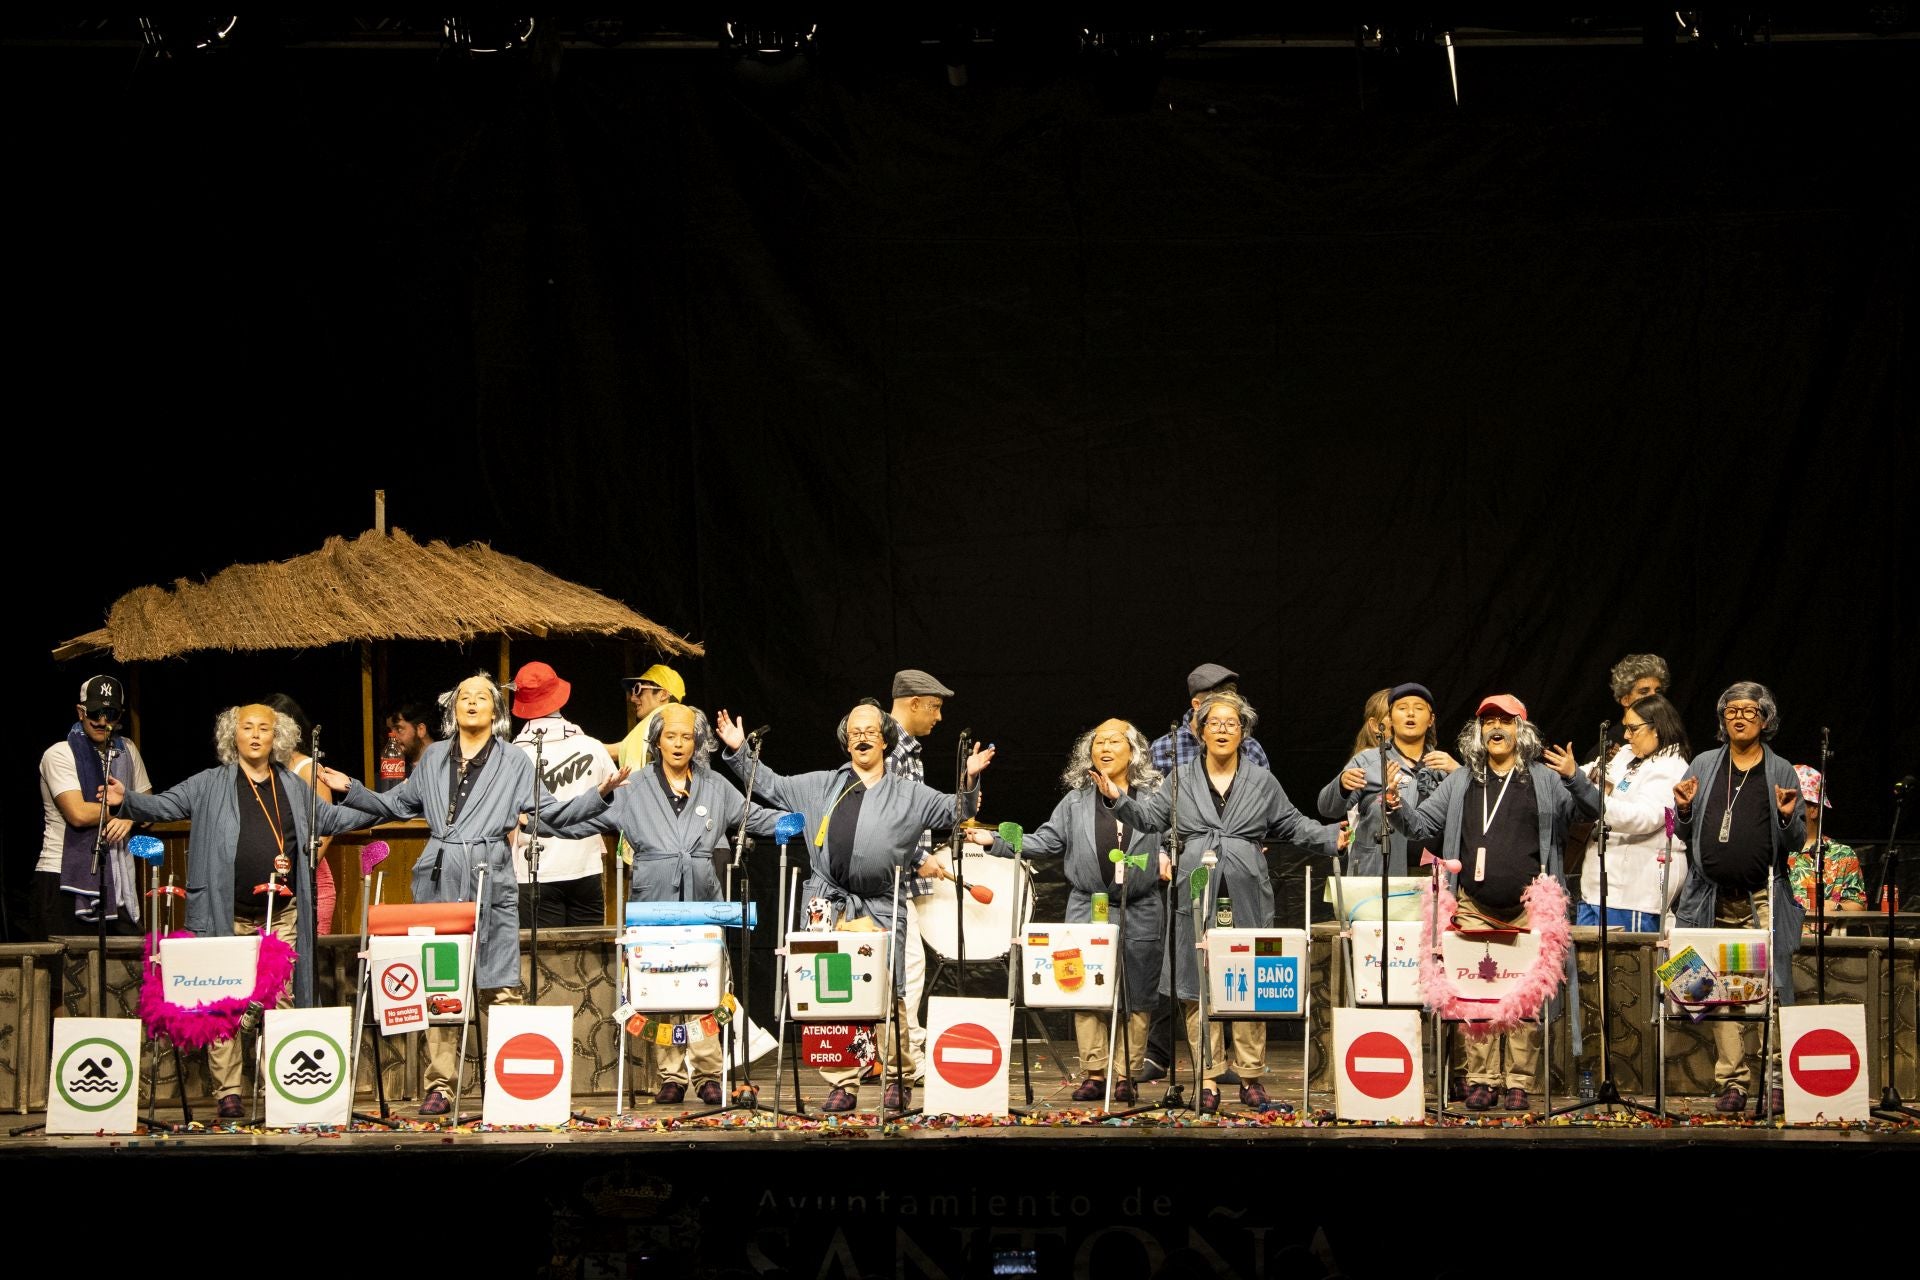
(1293, 370)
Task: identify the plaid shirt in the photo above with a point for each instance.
(905, 761)
(1179, 748)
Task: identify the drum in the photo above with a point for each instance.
(989, 926)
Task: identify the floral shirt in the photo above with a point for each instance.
(1844, 881)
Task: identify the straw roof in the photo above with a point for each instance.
(379, 586)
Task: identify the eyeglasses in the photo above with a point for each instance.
(1628, 730)
(1219, 726)
(856, 735)
(1742, 713)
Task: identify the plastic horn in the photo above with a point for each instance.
(1138, 861)
(147, 849)
(788, 826)
(372, 854)
(1451, 864)
(1013, 833)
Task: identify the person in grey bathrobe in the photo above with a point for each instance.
(249, 816)
(1083, 832)
(865, 826)
(472, 788)
(1410, 742)
(1229, 806)
(675, 816)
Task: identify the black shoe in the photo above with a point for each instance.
(1152, 1071)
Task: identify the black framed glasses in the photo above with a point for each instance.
(1741, 713)
(1628, 730)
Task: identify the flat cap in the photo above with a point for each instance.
(912, 683)
(1208, 675)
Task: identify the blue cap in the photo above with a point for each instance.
(1400, 691)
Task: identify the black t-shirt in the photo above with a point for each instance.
(1510, 838)
(262, 839)
(461, 780)
(677, 799)
(1740, 864)
(842, 826)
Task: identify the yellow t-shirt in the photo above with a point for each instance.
(633, 755)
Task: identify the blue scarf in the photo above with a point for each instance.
(77, 875)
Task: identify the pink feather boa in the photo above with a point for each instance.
(197, 1026)
(1546, 904)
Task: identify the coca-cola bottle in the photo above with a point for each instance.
(393, 764)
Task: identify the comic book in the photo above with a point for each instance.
(1689, 981)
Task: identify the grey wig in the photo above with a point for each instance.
(226, 726)
(1473, 748)
(1140, 770)
(1753, 690)
(703, 740)
(1233, 702)
(1634, 668)
(502, 717)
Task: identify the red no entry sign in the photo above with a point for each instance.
(1379, 1065)
(1824, 1062)
(967, 1055)
(528, 1066)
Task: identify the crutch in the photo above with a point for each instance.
(785, 828)
(472, 993)
(372, 854)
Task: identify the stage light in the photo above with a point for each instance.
(1718, 28)
(1125, 66)
(487, 34)
(165, 37)
(769, 44)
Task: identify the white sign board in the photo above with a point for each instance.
(1256, 973)
(675, 968)
(529, 1065)
(838, 977)
(197, 971)
(1403, 969)
(1823, 1068)
(93, 1086)
(419, 979)
(307, 1068)
(1487, 966)
(968, 1043)
(1376, 1058)
(1070, 966)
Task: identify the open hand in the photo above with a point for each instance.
(729, 730)
(1561, 761)
(1106, 785)
(617, 779)
(1440, 760)
(979, 760)
(336, 781)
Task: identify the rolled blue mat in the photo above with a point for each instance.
(723, 913)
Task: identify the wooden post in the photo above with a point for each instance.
(366, 714)
(506, 659)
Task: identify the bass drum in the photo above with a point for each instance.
(989, 926)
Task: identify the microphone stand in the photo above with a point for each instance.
(960, 863)
(1386, 863)
(746, 1095)
(1819, 890)
(1890, 1104)
(100, 878)
(533, 870)
(1175, 1099)
(784, 832)
(1608, 1095)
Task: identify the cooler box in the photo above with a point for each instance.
(1487, 965)
(1070, 966)
(197, 971)
(675, 968)
(1738, 957)
(1360, 896)
(1256, 973)
(1403, 947)
(838, 977)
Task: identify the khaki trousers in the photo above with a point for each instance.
(443, 1043)
(1510, 1060)
(226, 1060)
(1249, 1047)
(1090, 1031)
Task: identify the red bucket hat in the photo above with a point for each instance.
(538, 691)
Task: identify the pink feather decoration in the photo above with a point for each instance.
(1546, 904)
(197, 1026)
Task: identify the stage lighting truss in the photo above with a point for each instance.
(487, 34)
(769, 44)
(164, 37)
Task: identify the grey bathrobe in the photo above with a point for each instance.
(673, 852)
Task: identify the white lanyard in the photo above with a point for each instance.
(1486, 818)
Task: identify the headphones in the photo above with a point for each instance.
(889, 727)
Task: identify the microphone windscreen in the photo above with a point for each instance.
(147, 848)
(981, 894)
(372, 854)
(788, 826)
(1013, 834)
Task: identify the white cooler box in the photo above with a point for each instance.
(1070, 966)
(1487, 966)
(675, 968)
(838, 977)
(1256, 973)
(200, 971)
(1403, 972)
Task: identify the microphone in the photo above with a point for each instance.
(372, 854)
(1904, 788)
(250, 1020)
(788, 826)
(759, 733)
(147, 849)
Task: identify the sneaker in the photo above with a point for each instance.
(1733, 1100)
(1092, 1089)
(709, 1093)
(897, 1098)
(839, 1100)
(1479, 1097)
(1151, 1071)
(1123, 1091)
(232, 1108)
(1516, 1100)
(671, 1094)
(1255, 1096)
(435, 1104)
(1209, 1102)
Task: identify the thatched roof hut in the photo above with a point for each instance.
(379, 586)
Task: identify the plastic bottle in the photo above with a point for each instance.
(1587, 1091)
(393, 764)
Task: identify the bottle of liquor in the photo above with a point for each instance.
(393, 764)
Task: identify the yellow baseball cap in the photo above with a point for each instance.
(663, 677)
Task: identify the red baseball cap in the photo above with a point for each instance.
(1502, 702)
(538, 691)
